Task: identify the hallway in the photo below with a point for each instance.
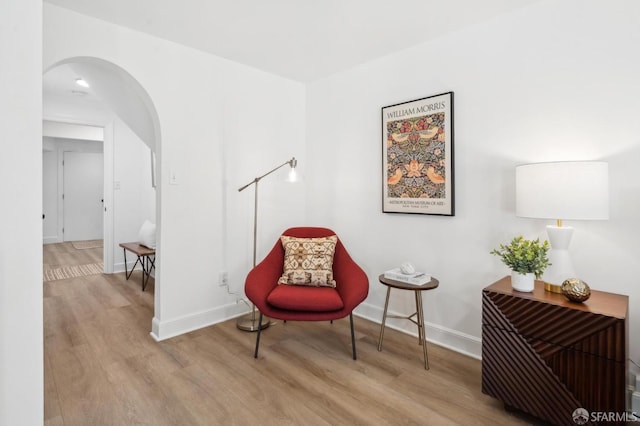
(90, 323)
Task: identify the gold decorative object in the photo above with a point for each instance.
(575, 290)
(553, 288)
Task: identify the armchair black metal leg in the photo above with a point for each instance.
(255, 354)
(353, 339)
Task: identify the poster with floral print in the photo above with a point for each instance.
(417, 156)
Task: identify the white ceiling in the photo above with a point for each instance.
(62, 80)
(60, 92)
(303, 40)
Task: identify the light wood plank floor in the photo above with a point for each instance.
(103, 368)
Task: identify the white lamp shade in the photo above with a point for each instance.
(572, 190)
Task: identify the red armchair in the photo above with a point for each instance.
(302, 303)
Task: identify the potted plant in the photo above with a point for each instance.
(526, 259)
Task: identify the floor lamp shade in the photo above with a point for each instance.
(570, 190)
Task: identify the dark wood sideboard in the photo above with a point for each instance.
(546, 356)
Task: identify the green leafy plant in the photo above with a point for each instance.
(524, 256)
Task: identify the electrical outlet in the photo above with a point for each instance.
(223, 279)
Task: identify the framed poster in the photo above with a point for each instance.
(417, 156)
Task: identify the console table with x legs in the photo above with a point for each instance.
(144, 258)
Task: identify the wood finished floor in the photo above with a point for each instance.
(103, 368)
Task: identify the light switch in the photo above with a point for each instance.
(116, 185)
(173, 179)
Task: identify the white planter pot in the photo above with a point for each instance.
(522, 282)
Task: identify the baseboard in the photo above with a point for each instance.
(437, 334)
(119, 267)
(51, 240)
(161, 330)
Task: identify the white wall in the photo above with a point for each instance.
(221, 124)
(133, 196)
(21, 367)
(555, 81)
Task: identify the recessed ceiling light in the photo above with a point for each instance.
(81, 82)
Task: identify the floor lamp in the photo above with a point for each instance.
(250, 321)
(573, 190)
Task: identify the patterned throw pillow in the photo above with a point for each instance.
(308, 261)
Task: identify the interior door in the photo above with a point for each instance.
(83, 176)
(50, 197)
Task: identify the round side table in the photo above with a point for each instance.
(419, 314)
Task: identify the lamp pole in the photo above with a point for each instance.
(249, 322)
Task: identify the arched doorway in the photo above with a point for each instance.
(115, 102)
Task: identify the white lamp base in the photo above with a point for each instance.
(560, 267)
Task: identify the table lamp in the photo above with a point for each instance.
(566, 190)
